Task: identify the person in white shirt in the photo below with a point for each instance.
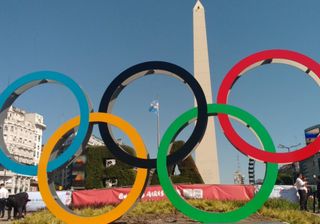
(301, 184)
(4, 194)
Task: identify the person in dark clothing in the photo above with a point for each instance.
(17, 202)
(318, 192)
(2, 206)
(4, 194)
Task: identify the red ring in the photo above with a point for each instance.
(226, 125)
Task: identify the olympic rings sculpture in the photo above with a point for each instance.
(104, 118)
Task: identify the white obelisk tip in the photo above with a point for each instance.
(198, 5)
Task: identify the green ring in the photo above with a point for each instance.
(210, 217)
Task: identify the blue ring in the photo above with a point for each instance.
(31, 170)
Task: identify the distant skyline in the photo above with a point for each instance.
(92, 42)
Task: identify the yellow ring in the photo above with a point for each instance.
(125, 205)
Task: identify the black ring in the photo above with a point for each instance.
(133, 73)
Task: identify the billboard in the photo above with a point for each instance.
(36, 202)
(311, 133)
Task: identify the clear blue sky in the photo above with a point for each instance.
(93, 41)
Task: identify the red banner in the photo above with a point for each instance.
(155, 193)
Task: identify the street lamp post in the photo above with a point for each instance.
(281, 146)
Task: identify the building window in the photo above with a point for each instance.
(6, 128)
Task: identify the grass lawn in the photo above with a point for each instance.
(274, 209)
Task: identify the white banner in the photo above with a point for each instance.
(36, 203)
(287, 192)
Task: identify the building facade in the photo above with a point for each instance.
(311, 166)
(238, 178)
(95, 141)
(72, 176)
(22, 135)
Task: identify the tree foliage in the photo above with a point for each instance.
(286, 175)
(284, 179)
(188, 170)
(97, 173)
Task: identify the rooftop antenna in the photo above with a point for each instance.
(238, 162)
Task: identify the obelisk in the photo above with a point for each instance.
(206, 153)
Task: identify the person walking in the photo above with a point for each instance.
(4, 194)
(301, 184)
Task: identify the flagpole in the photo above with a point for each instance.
(155, 107)
(158, 128)
(158, 125)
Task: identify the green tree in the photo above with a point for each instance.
(284, 179)
(286, 175)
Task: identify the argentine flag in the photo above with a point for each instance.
(154, 107)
